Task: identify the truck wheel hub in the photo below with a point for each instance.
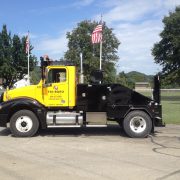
(24, 124)
(137, 124)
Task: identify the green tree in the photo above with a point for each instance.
(19, 57)
(7, 70)
(79, 41)
(123, 79)
(35, 75)
(167, 51)
(13, 58)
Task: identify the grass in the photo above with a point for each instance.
(170, 106)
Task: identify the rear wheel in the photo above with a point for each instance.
(137, 124)
(24, 123)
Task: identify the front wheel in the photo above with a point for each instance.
(24, 123)
(137, 124)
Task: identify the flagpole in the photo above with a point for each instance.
(100, 63)
(100, 55)
(28, 58)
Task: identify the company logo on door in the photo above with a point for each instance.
(56, 88)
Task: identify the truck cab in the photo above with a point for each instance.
(57, 89)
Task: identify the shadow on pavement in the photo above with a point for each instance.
(98, 131)
(5, 132)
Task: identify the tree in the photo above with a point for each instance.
(35, 75)
(167, 51)
(7, 70)
(123, 79)
(79, 41)
(19, 57)
(13, 58)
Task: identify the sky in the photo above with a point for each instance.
(136, 23)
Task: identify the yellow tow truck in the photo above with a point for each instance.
(60, 101)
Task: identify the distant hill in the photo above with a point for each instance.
(129, 79)
(135, 76)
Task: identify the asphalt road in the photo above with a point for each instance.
(98, 153)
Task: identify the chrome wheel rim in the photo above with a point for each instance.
(137, 124)
(24, 124)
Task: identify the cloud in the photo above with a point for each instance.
(137, 25)
(128, 11)
(171, 3)
(134, 10)
(53, 46)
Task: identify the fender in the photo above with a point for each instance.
(141, 108)
(120, 111)
(8, 108)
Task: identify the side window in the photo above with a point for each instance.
(56, 76)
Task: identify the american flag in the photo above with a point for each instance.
(27, 43)
(96, 36)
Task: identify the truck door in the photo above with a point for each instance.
(55, 90)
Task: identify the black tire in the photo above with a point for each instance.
(24, 123)
(137, 124)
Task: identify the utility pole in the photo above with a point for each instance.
(28, 54)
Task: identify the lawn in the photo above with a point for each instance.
(170, 106)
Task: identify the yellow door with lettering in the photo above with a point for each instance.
(56, 89)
